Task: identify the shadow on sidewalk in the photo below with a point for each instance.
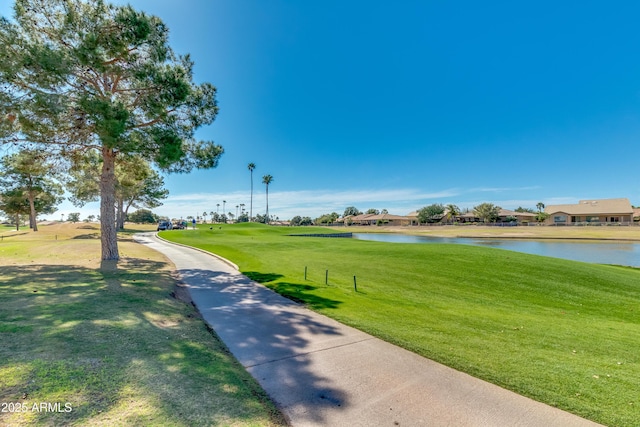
(270, 336)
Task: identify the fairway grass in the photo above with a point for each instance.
(561, 332)
(112, 345)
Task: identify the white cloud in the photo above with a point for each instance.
(501, 189)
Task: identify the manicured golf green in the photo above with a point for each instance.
(109, 346)
(562, 332)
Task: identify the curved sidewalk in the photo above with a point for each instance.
(322, 373)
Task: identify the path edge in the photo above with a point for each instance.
(226, 261)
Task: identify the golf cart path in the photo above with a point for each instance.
(322, 373)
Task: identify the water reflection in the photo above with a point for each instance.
(615, 252)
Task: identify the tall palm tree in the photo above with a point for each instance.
(204, 215)
(251, 167)
(266, 180)
(223, 203)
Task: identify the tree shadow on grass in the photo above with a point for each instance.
(13, 234)
(301, 293)
(262, 277)
(90, 337)
(87, 236)
(298, 292)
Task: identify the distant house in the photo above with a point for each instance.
(413, 218)
(594, 211)
(520, 217)
(387, 219)
(467, 217)
(362, 219)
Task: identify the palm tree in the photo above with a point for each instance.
(223, 203)
(452, 211)
(487, 212)
(217, 207)
(540, 206)
(204, 215)
(266, 180)
(251, 167)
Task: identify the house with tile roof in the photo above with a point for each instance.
(374, 219)
(592, 211)
(521, 217)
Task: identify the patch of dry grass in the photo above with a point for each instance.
(114, 343)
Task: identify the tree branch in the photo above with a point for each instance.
(153, 122)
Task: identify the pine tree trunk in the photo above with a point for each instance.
(32, 212)
(125, 212)
(109, 238)
(120, 212)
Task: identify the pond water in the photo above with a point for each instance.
(614, 252)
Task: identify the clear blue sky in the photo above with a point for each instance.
(398, 105)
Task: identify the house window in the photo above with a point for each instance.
(560, 218)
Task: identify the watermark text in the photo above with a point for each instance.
(13, 407)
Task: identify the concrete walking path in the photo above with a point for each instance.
(322, 373)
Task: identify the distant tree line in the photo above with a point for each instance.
(434, 213)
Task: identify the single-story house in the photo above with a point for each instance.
(361, 219)
(389, 219)
(593, 211)
(520, 217)
(467, 217)
(373, 219)
(413, 218)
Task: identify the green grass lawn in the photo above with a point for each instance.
(112, 344)
(562, 332)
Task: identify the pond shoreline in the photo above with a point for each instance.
(598, 251)
(621, 234)
(596, 239)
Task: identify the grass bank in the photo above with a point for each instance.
(562, 332)
(109, 346)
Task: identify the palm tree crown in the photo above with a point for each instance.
(452, 212)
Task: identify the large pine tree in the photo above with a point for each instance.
(84, 75)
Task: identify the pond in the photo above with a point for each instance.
(600, 252)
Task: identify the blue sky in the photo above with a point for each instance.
(397, 105)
